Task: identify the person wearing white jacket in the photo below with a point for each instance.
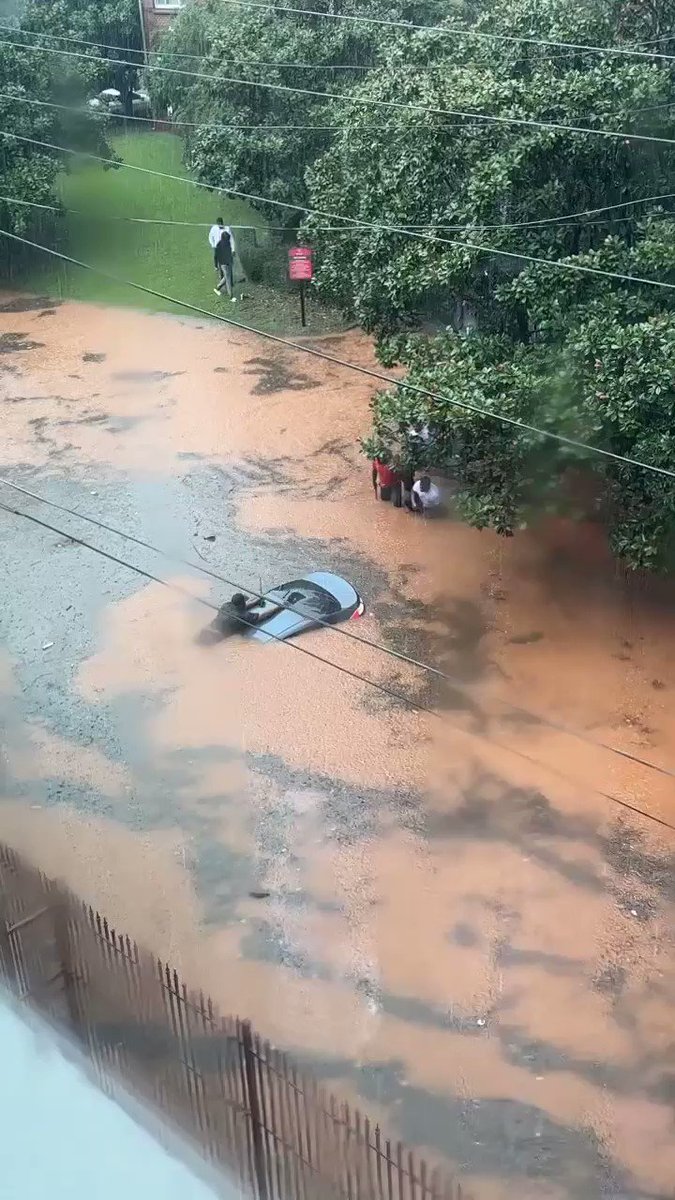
(215, 233)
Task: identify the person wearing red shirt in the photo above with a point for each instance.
(386, 480)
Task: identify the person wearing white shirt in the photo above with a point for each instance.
(215, 233)
(424, 495)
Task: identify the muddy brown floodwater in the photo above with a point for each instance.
(464, 930)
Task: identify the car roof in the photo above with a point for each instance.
(343, 591)
(283, 622)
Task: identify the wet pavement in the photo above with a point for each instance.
(461, 933)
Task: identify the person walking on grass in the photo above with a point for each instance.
(215, 233)
(223, 257)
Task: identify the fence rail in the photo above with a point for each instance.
(250, 1112)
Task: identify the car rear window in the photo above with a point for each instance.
(309, 599)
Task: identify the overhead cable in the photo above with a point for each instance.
(519, 256)
(407, 700)
(242, 62)
(444, 28)
(404, 385)
(555, 222)
(161, 51)
(457, 684)
(174, 121)
(348, 98)
(463, 30)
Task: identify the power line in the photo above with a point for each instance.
(554, 222)
(408, 25)
(431, 225)
(78, 212)
(200, 124)
(348, 98)
(519, 256)
(559, 727)
(387, 691)
(161, 52)
(661, 38)
(243, 62)
(562, 439)
(452, 29)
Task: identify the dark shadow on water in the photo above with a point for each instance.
(277, 373)
(30, 304)
(13, 343)
(503, 1138)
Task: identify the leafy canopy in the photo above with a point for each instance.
(252, 158)
(590, 357)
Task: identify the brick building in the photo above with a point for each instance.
(157, 16)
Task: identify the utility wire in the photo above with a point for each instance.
(559, 727)
(408, 701)
(462, 30)
(78, 212)
(554, 222)
(519, 256)
(241, 62)
(161, 52)
(348, 98)
(103, 112)
(431, 225)
(331, 358)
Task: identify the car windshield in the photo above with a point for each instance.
(306, 598)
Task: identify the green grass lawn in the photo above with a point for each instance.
(176, 260)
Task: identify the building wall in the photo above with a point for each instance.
(158, 17)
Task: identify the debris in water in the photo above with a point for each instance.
(209, 537)
(47, 645)
(260, 895)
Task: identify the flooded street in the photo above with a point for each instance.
(464, 931)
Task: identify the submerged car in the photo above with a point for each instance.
(291, 609)
(317, 599)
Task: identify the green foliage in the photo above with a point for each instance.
(580, 354)
(110, 23)
(262, 161)
(29, 172)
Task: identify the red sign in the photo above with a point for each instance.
(300, 262)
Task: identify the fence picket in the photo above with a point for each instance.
(243, 1101)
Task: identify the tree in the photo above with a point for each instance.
(250, 156)
(29, 171)
(106, 24)
(538, 333)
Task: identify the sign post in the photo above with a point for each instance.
(301, 267)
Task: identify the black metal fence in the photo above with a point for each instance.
(242, 1102)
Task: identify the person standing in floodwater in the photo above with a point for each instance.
(424, 496)
(386, 482)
